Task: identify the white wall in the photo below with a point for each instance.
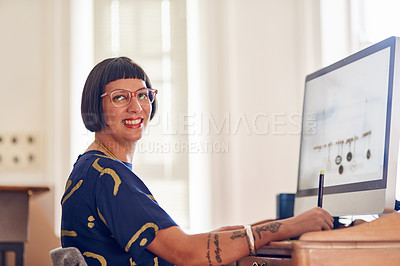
(24, 40)
(252, 61)
(252, 58)
(34, 100)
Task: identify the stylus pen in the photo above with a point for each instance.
(321, 188)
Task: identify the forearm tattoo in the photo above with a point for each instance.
(208, 249)
(271, 227)
(238, 234)
(217, 249)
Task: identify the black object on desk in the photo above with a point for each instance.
(284, 205)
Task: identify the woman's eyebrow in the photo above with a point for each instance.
(122, 89)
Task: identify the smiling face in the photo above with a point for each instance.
(127, 123)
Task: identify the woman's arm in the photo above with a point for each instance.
(223, 247)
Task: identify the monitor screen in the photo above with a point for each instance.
(349, 132)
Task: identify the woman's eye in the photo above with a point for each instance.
(142, 96)
(119, 98)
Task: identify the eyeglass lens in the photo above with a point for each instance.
(122, 98)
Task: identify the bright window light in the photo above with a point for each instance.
(115, 25)
(381, 19)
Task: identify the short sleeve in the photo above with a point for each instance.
(128, 208)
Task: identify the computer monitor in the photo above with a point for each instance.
(351, 131)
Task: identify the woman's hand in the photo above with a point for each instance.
(316, 219)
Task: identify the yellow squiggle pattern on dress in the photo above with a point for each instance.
(69, 183)
(101, 217)
(137, 234)
(68, 233)
(111, 172)
(91, 221)
(100, 258)
(72, 191)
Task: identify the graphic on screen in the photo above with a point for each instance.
(345, 113)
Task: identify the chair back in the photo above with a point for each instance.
(69, 256)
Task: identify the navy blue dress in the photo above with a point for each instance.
(109, 214)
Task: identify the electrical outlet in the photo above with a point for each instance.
(20, 152)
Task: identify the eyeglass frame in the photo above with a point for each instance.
(131, 94)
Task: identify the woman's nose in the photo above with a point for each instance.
(134, 105)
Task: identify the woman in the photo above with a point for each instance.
(110, 215)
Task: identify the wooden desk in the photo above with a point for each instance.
(14, 210)
(373, 243)
(273, 254)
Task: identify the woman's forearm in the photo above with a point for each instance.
(226, 246)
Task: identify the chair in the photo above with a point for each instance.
(70, 256)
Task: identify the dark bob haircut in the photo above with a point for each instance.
(107, 71)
